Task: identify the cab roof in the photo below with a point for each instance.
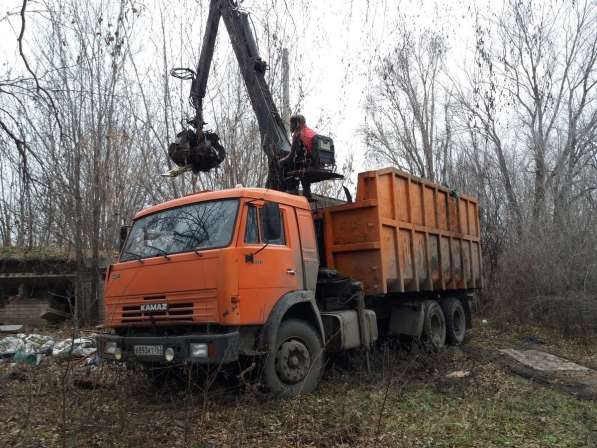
(250, 193)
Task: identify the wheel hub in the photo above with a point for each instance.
(292, 362)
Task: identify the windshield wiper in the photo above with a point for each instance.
(137, 256)
(198, 241)
(161, 251)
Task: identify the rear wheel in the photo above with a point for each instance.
(455, 320)
(434, 328)
(294, 366)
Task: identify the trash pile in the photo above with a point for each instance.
(32, 348)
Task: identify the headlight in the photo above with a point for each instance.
(118, 354)
(169, 354)
(198, 350)
(110, 347)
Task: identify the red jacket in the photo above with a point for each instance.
(306, 135)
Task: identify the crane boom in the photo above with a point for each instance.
(199, 85)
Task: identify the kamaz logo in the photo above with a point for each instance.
(154, 307)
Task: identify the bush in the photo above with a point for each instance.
(548, 277)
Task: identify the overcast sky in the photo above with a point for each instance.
(339, 42)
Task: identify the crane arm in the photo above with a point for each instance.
(200, 150)
(274, 137)
(199, 85)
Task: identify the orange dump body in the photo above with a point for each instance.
(404, 234)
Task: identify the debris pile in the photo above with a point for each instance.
(33, 347)
(76, 348)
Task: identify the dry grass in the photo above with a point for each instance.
(407, 402)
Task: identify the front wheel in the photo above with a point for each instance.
(295, 364)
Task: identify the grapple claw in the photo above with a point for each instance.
(200, 151)
(176, 171)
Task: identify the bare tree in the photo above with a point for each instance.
(408, 113)
(535, 96)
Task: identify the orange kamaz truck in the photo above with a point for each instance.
(216, 276)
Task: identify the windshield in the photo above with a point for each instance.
(205, 225)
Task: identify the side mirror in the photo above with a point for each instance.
(272, 222)
(124, 232)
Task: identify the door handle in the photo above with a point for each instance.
(290, 271)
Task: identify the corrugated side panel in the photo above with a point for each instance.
(404, 233)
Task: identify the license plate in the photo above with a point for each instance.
(148, 350)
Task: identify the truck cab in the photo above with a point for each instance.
(211, 276)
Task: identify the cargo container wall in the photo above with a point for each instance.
(404, 234)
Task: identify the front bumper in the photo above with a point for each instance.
(222, 348)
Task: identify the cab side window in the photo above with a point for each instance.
(252, 227)
(280, 241)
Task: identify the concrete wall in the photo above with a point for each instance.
(24, 311)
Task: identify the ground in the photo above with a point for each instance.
(408, 401)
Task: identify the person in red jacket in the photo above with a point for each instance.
(300, 131)
(301, 149)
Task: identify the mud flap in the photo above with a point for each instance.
(407, 319)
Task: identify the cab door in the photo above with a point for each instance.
(266, 271)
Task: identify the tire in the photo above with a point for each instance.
(434, 327)
(296, 342)
(455, 320)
